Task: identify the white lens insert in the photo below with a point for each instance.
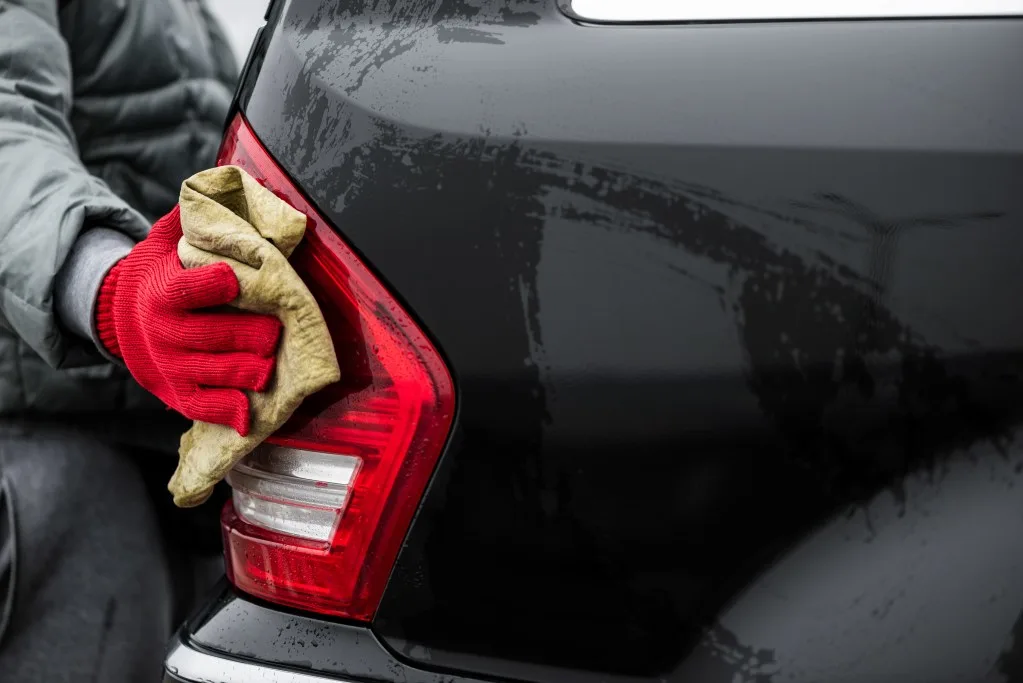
(293, 491)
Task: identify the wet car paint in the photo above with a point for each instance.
(247, 630)
(732, 312)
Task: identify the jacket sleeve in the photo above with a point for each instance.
(49, 199)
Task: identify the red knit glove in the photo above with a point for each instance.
(197, 362)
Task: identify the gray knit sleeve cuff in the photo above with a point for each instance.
(77, 285)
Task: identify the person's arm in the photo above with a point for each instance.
(61, 229)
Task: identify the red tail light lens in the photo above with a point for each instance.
(318, 524)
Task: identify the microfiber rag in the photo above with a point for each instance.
(227, 216)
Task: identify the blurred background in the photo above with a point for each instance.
(240, 18)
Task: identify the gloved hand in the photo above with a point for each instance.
(149, 313)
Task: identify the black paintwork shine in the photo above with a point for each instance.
(733, 313)
(257, 632)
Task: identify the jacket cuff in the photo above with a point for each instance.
(78, 283)
(106, 328)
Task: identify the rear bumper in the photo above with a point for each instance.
(187, 664)
(236, 640)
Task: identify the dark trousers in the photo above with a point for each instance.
(87, 579)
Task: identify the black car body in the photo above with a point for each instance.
(732, 311)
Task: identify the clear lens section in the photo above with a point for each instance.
(293, 491)
(303, 522)
(296, 463)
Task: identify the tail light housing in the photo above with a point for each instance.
(319, 512)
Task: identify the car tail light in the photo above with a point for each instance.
(320, 511)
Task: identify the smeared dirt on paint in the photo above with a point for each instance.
(856, 396)
(366, 35)
(741, 663)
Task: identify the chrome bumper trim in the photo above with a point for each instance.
(195, 666)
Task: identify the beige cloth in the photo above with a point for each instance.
(227, 216)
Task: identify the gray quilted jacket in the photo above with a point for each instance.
(105, 107)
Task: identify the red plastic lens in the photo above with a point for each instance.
(393, 408)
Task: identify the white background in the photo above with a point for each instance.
(240, 19)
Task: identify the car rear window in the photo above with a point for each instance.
(617, 11)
